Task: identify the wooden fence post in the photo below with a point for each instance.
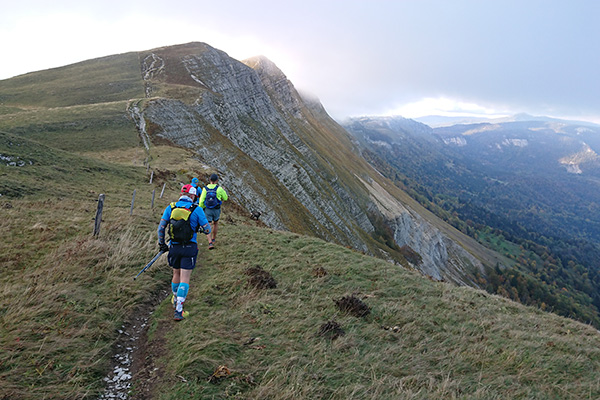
(163, 190)
(151, 176)
(153, 192)
(132, 200)
(98, 219)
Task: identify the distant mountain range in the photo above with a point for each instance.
(436, 121)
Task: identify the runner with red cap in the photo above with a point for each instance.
(184, 220)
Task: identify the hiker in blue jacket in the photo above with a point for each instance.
(194, 183)
(184, 219)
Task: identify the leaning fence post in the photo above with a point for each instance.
(98, 219)
(132, 200)
(151, 176)
(153, 192)
(163, 190)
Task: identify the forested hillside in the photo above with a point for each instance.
(508, 187)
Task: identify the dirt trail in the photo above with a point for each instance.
(134, 370)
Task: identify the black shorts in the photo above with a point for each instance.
(183, 256)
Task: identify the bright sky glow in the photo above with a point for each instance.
(376, 57)
(445, 107)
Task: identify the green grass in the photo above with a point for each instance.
(499, 244)
(421, 340)
(78, 129)
(63, 292)
(100, 80)
(41, 169)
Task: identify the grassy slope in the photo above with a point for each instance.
(78, 108)
(105, 79)
(85, 128)
(64, 292)
(422, 339)
(441, 341)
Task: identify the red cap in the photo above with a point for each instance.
(189, 189)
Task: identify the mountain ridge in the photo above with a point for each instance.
(269, 106)
(420, 339)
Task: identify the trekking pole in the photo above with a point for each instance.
(149, 264)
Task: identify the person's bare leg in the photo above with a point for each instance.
(185, 275)
(214, 230)
(174, 286)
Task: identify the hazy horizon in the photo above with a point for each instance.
(407, 58)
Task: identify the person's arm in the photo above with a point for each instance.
(222, 194)
(164, 221)
(202, 198)
(203, 225)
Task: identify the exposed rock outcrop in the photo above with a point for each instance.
(282, 155)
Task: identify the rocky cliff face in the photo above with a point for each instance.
(234, 117)
(282, 155)
(441, 257)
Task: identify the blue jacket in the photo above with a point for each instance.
(198, 220)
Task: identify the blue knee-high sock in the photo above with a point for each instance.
(174, 288)
(182, 292)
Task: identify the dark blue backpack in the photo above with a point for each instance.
(211, 201)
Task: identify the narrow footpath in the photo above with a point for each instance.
(134, 370)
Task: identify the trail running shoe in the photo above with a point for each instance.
(211, 245)
(179, 315)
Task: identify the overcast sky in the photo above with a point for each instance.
(370, 57)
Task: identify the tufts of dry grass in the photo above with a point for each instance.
(64, 293)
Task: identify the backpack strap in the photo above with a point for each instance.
(174, 206)
(192, 208)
